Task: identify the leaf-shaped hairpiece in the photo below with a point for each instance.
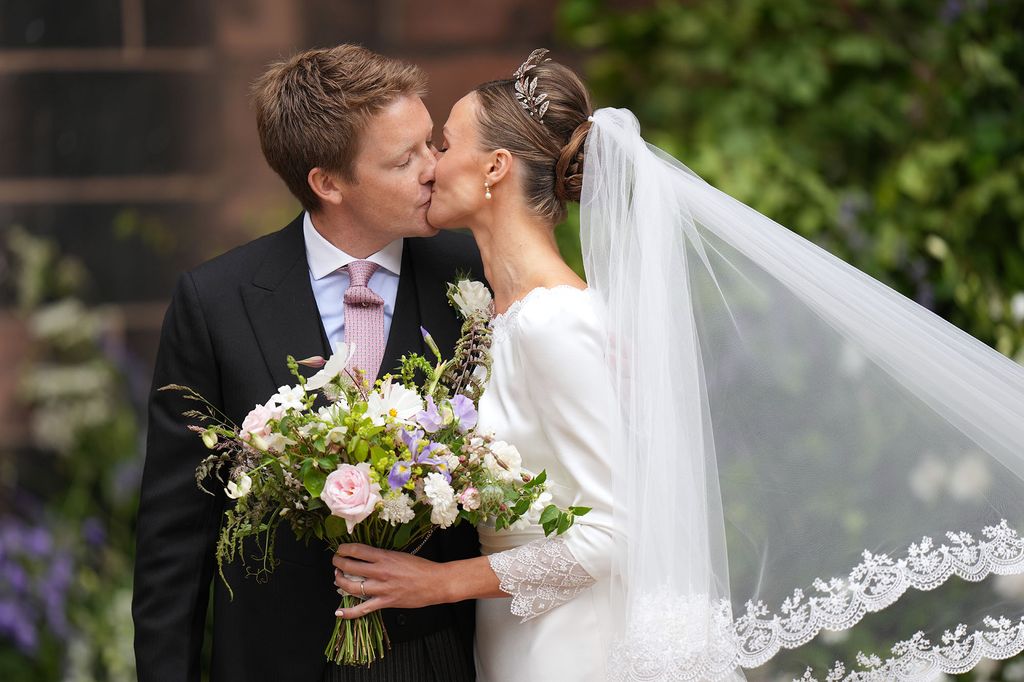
(526, 88)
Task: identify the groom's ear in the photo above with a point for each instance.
(327, 188)
(498, 165)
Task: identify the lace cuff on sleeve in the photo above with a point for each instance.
(540, 575)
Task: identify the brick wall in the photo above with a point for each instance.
(126, 132)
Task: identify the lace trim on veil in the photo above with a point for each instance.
(668, 637)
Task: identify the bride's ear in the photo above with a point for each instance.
(325, 186)
(498, 166)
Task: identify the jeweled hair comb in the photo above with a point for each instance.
(536, 105)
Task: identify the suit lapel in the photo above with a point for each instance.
(436, 315)
(404, 336)
(282, 309)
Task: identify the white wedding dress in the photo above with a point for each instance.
(550, 396)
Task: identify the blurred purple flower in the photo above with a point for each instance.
(37, 541)
(94, 533)
(18, 625)
(951, 11)
(465, 412)
(430, 419)
(400, 473)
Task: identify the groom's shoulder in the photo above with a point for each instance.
(241, 262)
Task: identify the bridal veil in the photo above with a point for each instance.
(816, 472)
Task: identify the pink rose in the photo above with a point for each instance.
(255, 423)
(350, 494)
(470, 499)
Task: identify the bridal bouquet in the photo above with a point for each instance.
(386, 464)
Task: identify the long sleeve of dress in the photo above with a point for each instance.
(560, 341)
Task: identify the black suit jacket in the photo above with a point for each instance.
(231, 323)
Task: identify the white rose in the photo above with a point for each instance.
(502, 453)
(471, 296)
(437, 490)
(444, 515)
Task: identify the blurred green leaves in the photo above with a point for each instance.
(876, 128)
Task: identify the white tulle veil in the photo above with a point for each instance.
(812, 466)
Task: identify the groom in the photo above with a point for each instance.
(348, 133)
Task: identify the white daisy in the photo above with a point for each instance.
(395, 401)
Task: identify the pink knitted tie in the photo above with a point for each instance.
(364, 319)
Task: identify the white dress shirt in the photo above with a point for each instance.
(330, 281)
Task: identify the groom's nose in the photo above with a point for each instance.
(427, 174)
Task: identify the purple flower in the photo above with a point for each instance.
(94, 532)
(400, 474)
(465, 412)
(411, 439)
(16, 623)
(38, 541)
(430, 419)
(440, 465)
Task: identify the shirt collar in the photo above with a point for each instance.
(325, 258)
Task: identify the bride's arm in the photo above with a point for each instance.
(404, 581)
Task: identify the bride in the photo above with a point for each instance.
(774, 445)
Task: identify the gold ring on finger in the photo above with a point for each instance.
(362, 588)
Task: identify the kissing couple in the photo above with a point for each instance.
(741, 410)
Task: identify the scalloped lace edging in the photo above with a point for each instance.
(540, 576)
(503, 323)
(687, 637)
(918, 659)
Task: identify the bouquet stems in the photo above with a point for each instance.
(359, 641)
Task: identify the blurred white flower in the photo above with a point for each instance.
(1014, 672)
(396, 508)
(239, 490)
(852, 361)
(1017, 306)
(470, 296)
(333, 413)
(1009, 586)
(535, 510)
(288, 398)
(970, 479)
(444, 515)
(928, 478)
(336, 364)
(437, 490)
(503, 461)
(985, 669)
(832, 637)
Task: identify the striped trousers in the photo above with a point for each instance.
(437, 657)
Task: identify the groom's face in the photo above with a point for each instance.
(394, 172)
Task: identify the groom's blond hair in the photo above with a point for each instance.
(311, 109)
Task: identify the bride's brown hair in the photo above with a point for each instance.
(550, 147)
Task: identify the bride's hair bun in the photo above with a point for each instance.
(549, 146)
(569, 168)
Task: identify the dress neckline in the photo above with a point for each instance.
(501, 322)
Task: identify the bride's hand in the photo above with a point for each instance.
(390, 579)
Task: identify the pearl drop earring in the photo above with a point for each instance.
(487, 190)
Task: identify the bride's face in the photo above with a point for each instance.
(459, 176)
